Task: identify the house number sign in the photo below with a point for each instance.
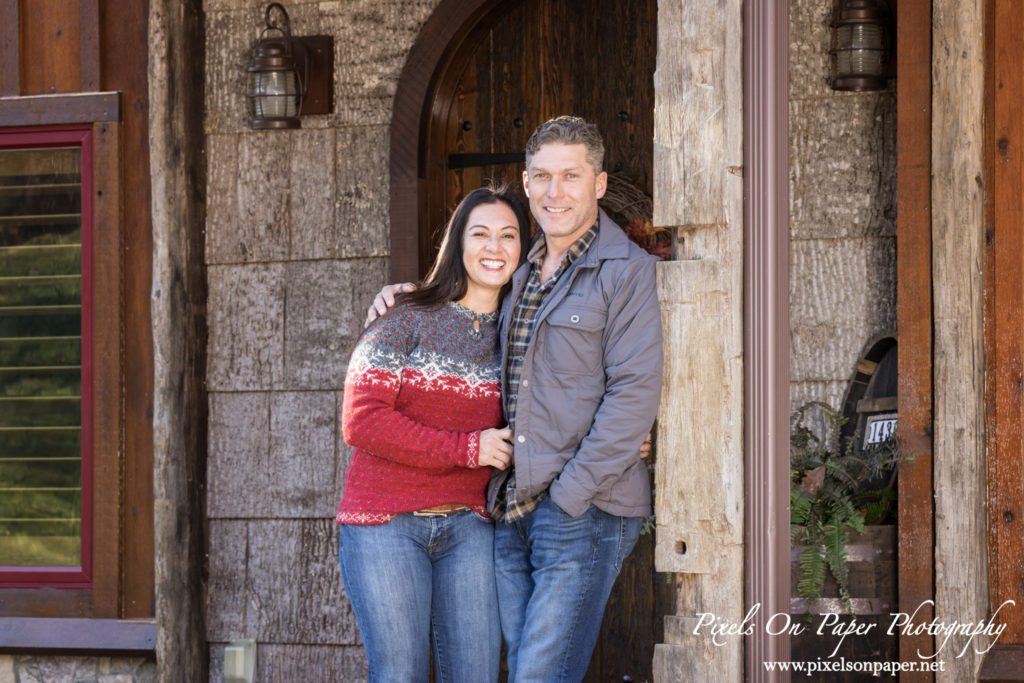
(878, 428)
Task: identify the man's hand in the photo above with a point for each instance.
(496, 448)
(384, 300)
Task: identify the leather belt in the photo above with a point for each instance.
(440, 510)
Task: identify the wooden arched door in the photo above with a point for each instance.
(508, 69)
(521, 64)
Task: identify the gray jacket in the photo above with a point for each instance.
(591, 381)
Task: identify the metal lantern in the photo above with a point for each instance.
(275, 88)
(860, 45)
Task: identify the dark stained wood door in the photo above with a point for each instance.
(528, 61)
(523, 63)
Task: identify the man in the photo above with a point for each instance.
(582, 364)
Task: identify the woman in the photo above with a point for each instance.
(421, 409)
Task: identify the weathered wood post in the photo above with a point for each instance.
(958, 234)
(698, 193)
(179, 337)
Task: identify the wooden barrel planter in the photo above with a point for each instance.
(871, 560)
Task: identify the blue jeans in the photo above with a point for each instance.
(418, 582)
(554, 575)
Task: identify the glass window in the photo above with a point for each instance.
(44, 430)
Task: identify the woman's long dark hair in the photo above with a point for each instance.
(447, 279)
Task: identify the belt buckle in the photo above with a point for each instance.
(434, 512)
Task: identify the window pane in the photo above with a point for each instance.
(40, 357)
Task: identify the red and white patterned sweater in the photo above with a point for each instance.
(421, 386)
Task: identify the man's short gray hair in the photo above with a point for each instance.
(568, 130)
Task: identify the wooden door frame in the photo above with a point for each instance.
(444, 31)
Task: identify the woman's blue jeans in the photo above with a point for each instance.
(422, 582)
(554, 574)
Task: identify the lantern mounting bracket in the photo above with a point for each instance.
(314, 57)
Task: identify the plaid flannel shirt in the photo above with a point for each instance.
(508, 507)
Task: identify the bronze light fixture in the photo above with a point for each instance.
(860, 45)
(288, 76)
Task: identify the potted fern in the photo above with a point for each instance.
(835, 489)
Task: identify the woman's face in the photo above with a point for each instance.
(490, 246)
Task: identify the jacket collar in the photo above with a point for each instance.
(611, 242)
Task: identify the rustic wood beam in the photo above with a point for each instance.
(1004, 664)
(51, 110)
(78, 636)
(1004, 348)
(957, 211)
(698, 195)
(120, 70)
(179, 336)
(916, 536)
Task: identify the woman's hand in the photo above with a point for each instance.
(496, 448)
(645, 447)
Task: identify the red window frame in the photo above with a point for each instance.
(81, 576)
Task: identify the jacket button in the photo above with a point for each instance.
(521, 439)
(575, 319)
(526, 382)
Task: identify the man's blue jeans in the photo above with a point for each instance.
(555, 574)
(418, 582)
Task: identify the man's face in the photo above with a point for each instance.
(563, 189)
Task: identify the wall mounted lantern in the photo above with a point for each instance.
(861, 32)
(288, 76)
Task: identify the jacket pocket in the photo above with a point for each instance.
(572, 339)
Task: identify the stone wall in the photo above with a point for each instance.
(296, 245)
(37, 669)
(842, 213)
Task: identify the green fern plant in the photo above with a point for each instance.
(834, 489)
